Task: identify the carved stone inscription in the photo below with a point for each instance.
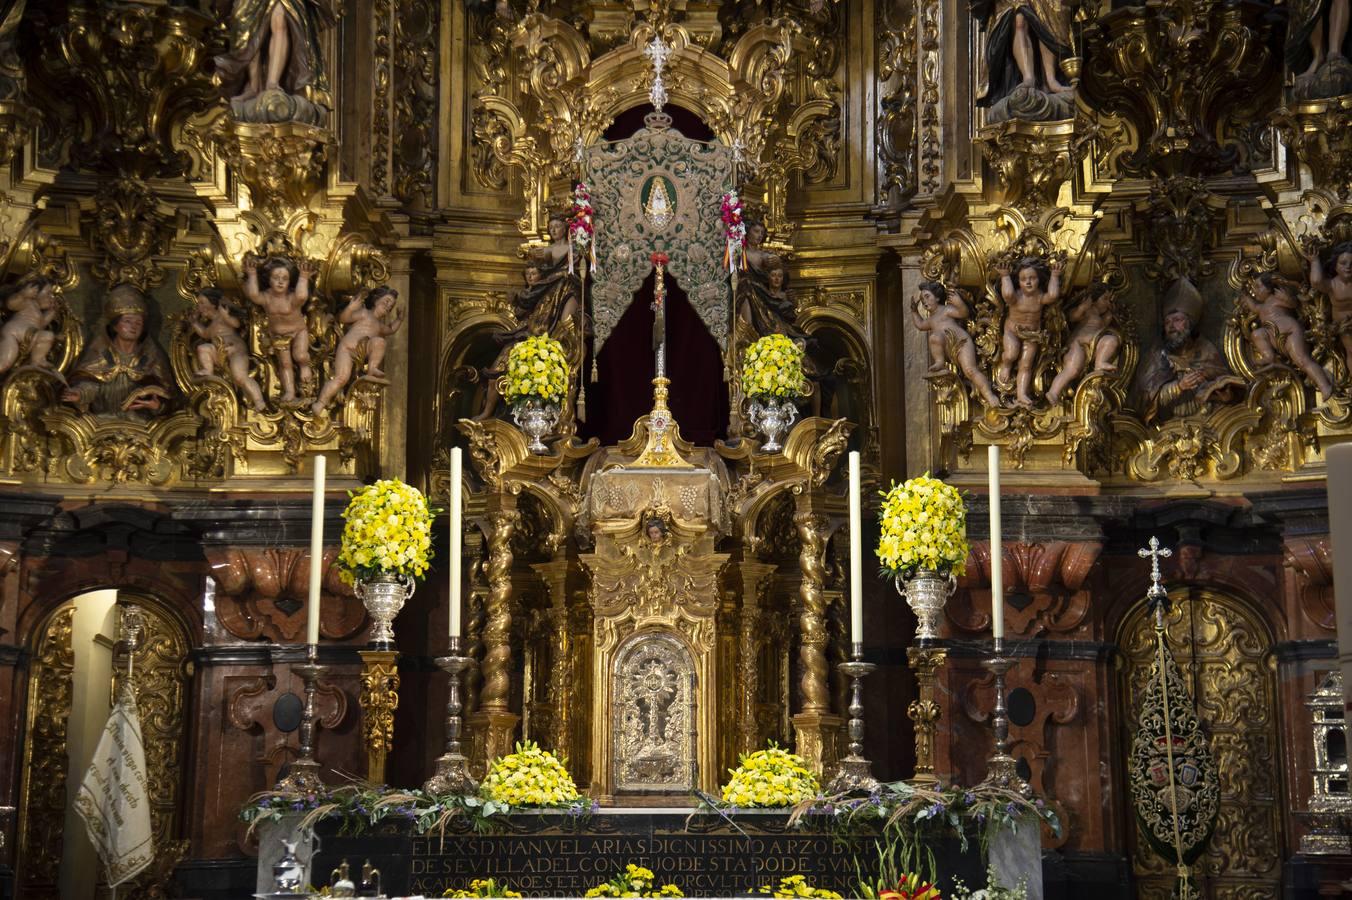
(654, 706)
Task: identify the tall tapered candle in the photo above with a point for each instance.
(455, 541)
(997, 546)
(856, 554)
(316, 550)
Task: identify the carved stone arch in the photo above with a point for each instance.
(843, 345)
(470, 346)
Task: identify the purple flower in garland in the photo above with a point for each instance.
(595, 807)
(935, 810)
(1011, 810)
(969, 798)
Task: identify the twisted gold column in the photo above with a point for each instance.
(494, 724)
(815, 730)
(493, 695)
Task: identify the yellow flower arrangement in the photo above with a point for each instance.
(924, 526)
(388, 532)
(536, 367)
(634, 881)
(483, 887)
(770, 777)
(797, 886)
(773, 367)
(529, 777)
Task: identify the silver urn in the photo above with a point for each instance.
(537, 418)
(772, 417)
(926, 591)
(383, 596)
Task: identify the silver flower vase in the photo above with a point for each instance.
(926, 592)
(772, 417)
(383, 596)
(537, 418)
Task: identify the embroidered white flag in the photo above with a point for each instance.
(114, 798)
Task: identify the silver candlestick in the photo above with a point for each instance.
(1002, 770)
(452, 774)
(303, 777)
(855, 772)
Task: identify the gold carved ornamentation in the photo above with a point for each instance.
(282, 164)
(813, 532)
(50, 693)
(379, 700)
(654, 597)
(897, 125)
(497, 633)
(161, 702)
(1224, 645)
(1033, 160)
(924, 711)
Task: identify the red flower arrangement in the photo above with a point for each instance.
(734, 229)
(580, 229)
(910, 887)
(660, 259)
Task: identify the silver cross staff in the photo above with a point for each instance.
(1155, 553)
(657, 53)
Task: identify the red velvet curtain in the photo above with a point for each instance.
(623, 391)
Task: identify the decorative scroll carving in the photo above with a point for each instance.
(897, 125)
(260, 593)
(46, 758)
(654, 706)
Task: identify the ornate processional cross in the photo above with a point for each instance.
(1154, 552)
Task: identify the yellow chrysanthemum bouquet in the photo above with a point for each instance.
(536, 368)
(529, 777)
(924, 527)
(770, 777)
(388, 532)
(773, 368)
(634, 881)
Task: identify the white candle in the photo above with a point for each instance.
(316, 550)
(997, 546)
(455, 540)
(1339, 459)
(856, 555)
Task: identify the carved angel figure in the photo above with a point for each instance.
(274, 45)
(1039, 285)
(1268, 298)
(1317, 37)
(1337, 285)
(1095, 338)
(217, 322)
(283, 299)
(33, 307)
(948, 338)
(549, 303)
(122, 372)
(370, 318)
(1026, 41)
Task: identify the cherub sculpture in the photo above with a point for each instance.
(33, 307)
(1095, 338)
(217, 322)
(948, 338)
(1271, 300)
(288, 289)
(1338, 287)
(1039, 286)
(370, 318)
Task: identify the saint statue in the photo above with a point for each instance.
(549, 303)
(1025, 44)
(1317, 47)
(274, 50)
(122, 372)
(1187, 374)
